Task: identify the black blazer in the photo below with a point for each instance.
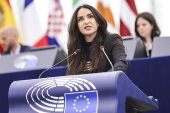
(115, 50)
(148, 53)
(23, 49)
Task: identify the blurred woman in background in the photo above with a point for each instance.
(146, 29)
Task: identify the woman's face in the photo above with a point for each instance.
(87, 24)
(144, 28)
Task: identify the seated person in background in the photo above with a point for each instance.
(88, 31)
(9, 39)
(146, 29)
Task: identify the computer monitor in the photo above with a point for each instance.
(161, 47)
(134, 48)
(60, 55)
(37, 58)
(44, 48)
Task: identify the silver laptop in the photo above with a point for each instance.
(161, 47)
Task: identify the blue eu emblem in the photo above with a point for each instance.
(81, 102)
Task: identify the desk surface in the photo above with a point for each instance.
(151, 75)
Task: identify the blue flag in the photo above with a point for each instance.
(85, 102)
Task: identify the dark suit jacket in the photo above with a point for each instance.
(115, 50)
(148, 53)
(23, 49)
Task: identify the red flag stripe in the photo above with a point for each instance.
(124, 30)
(1, 49)
(42, 42)
(127, 19)
(132, 5)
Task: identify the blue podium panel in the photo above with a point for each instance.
(7, 78)
(107, 92)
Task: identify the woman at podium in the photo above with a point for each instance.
(88, 32)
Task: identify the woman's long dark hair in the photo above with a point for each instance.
(76, 64)
(149, 17)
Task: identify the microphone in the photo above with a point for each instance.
(74, 53)
(102, 49)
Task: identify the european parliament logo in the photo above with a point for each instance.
(63, 95)
(26, 61)
(81, 102)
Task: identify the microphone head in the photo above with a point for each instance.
(101, 48)
(77, 51)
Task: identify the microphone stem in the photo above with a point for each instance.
(108, 60)
(56, 64)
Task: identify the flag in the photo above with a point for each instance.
(57, 29)
(128, 14)
(86, 102)
(103, 7)
(32, 32)
(1, 48)
(6, 16)
(77, 3)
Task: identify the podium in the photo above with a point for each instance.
(107, 92)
